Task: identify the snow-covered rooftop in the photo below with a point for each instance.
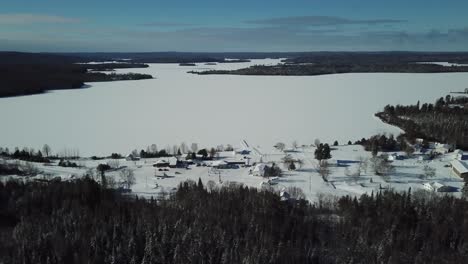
(460, 166)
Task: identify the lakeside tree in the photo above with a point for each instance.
(323, 152)
(127, 178)
(46, 149)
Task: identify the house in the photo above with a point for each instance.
(170, 162)
(395, 156)
(460, 168)
(442, 148)
(226, 164)
(131, 157)
(460, 155)
(432, 186)
(438, 187)
(162, 163)
(259, 170)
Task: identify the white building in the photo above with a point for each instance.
(432, 186)
(460, 168)
(259, 170)
(442, 148)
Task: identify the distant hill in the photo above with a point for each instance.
(35, 58)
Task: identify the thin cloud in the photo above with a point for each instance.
(320, 21)
(22, 19)
(166, 24)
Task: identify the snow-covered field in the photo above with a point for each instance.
(178, 107)
(407, 173)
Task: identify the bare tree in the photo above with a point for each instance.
(212, 152)
(184, 148)
(363, 164)
(300, 163)
(220, 148)
(294, 144)
(229, 148)
(382, 167)
(295, 192)
(114, 163)
(29, 168)
(317, 142)
(127, 178)
(409, 150)
(428, 172)
(168, 149)
(46, 150)
(194, 147)
(111, 182)
(211, 185)
(280, 146)
(324, 170)
(154, 148)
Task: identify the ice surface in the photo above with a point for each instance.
(179, 107)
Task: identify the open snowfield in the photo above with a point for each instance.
(407, 174)
(178, 107)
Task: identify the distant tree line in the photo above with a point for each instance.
(444, 121)
(336, 68)
(384, 143)
(80, 222)
(26, 154)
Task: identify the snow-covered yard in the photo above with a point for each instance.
(344, 163)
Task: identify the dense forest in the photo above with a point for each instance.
(79, 222)
(378, 57)
(29, 73)
(290, 57)
(335, 68)
(444, 121)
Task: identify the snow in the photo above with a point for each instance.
(179, 107)
(152, 182)
(446, 64)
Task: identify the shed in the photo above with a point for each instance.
(460, 168)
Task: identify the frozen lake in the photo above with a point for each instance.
(214, 109)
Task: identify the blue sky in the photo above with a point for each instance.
(242, 25)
